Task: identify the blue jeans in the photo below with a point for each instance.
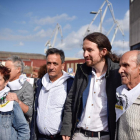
(13, 125)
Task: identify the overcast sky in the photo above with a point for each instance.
(26, 25)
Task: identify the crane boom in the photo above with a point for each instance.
(116, 24)
(55, 32)
(102, 18)
(94, 19)
(110, 29)
(114, 35)
(111, 10)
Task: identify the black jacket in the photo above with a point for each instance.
(73, 105)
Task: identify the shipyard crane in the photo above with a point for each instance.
(54, 34)
(116, 24)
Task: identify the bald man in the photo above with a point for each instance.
(128, 97)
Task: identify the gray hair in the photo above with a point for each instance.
(17, 62)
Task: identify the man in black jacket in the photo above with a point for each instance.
(90, 106)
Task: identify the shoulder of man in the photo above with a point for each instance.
(81, 65)
(69, 83)
(38, 87)
(39, 82)
(83, 68)
(26, 83)
(112, 65)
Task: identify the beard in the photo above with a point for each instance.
(89, 64)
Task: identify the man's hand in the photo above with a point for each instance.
(12, 97)
(65, 137)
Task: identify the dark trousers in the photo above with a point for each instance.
(43, 137)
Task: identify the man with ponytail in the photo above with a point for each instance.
(90, 106)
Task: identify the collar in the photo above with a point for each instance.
(110, 65)
(86, 69)
(125, 98)
(47, 84)
(94, 73)
(18, 83)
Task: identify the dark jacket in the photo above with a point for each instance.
(33, 126)
(74, 104)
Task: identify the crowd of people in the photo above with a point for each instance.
(102, 101)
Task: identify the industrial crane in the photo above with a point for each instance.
(109, 5)
(55, 32)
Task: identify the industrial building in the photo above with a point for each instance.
(33, 62)
(134, 37)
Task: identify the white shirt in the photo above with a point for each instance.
(125, 98)
(94, 116)
(50, 104)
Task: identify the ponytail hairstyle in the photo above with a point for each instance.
(102, 42)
